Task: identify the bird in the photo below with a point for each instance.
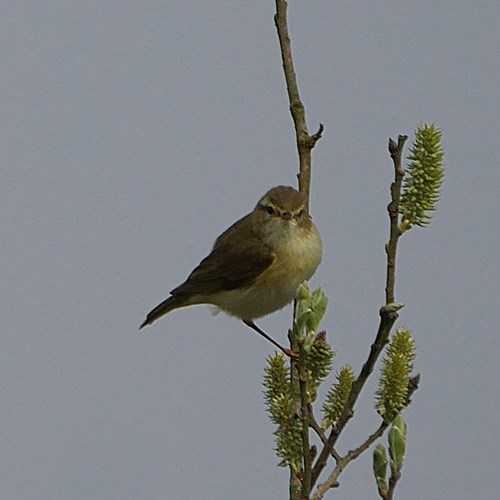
(256, 265)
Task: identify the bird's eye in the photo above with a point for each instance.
(300, 214)
(270, 210)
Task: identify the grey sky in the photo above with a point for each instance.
(133, 133)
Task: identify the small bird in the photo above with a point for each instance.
(256, 265)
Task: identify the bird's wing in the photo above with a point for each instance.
(234, 262)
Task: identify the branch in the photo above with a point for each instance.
(305, 142)
(393, 481)
(313, 423)
(305, 419)
(388, 313)
(396, 152)
(332, 481)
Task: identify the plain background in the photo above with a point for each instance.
(132, 134)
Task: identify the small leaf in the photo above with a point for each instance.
(397, 442)
(380, 467)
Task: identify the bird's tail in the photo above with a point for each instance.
(165, 307)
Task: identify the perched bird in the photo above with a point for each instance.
(256, 265)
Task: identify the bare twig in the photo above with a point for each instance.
(313, 423)
(396, 152)
(332, 481)
(305, 142)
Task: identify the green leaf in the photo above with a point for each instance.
(309, 310)
(380, 467)
(397, 442)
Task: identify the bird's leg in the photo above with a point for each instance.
(288, 352)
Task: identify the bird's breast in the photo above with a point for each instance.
(294, 261)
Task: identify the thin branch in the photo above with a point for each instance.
(396, 152)
(305, 420)
(305, 142)
(313, 423)
(393, 481)
(353, 454)
(332, 481)
(388, 313)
